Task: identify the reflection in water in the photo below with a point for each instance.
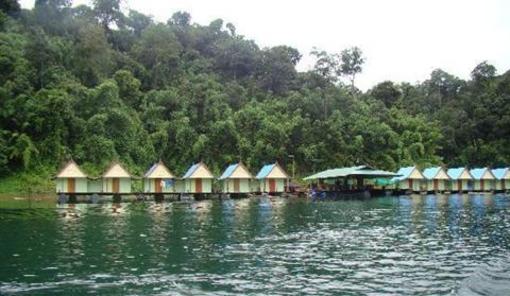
(431, 213)
(394, 245)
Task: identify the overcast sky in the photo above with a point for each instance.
(402, 40)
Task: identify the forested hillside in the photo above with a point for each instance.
(96, 84)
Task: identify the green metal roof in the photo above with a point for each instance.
(363, 170)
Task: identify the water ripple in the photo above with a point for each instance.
(417, 245)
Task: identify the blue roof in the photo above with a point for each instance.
(455, 173)
(477, 173)
(265, 170)
(191, 170)
(404, 173)
(499, 173)
(228, 172)
(430, 173)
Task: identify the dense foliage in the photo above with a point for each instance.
(96, 84)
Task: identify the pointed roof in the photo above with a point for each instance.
(435, 173)
(236, 171)
(501, 173)
(459, 173)
(115, 170)
(71, 170)
(198, 171)
(481, 173)
(159, 170)
(274, 171)
(410, 172)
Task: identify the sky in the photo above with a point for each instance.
(402, 40)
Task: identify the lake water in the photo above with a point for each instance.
(407, 245)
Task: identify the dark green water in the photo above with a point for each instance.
(419, 245)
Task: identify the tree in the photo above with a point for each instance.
(326, 65)
(108, 12)
(92, 55)
(180, 19)
(10, 7)
(52, 14)
(277, 70)
(138, 22)
(387, 92)
(236, 57)
(158, 51)
(483, 72)
(129, 88)
(352, 62)
(40, 53)
(96, 85)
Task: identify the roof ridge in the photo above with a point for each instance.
(112, 164)
(67, 164)
(154, 167)
(189, 173)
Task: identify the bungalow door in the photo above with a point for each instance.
(198, 185)
(436, 185)
(481, 185)
(410, 184)
(71, 185)
(459, 185)
(503, 185)
(115, 185)
(236, 185)
(272, 185)
(157, 185)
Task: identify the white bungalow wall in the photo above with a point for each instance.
(416, 185)
(487, 185)
(454, 185)
(124, 185)
(80, 185)
(477, 185)
(279, 185)
(505, 182)
(149, 185)
(190, 186)
(499, 184)
(442, 185)
(244, 186)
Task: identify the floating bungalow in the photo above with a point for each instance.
(71, 179)
(116, 179)
(272, 178)
(460, 179)
(198, 179)
(357, 181)
(483, 179)
(409, 179)
(502, 179)
(437, 180)
(159, 179)
(236, 179)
